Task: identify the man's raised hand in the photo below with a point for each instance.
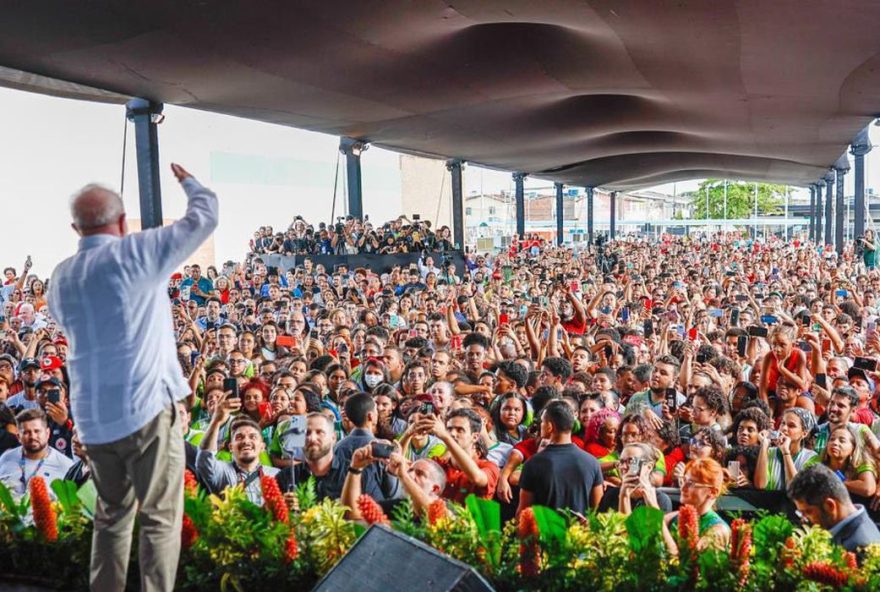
(180, 172)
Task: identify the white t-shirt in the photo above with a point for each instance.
(54, 466)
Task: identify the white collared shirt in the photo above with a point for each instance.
(111, 299)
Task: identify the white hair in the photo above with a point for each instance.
(94, 206)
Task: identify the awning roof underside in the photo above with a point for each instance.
(615, 93)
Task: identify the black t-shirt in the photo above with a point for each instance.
(561, 476)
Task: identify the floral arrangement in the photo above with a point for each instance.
(230, 544)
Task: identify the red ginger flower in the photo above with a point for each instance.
(188, 533)
(852, 561)
(688, 526)
(529, 547)
(190, 483)
(371, 511)
(291, 548)
(44, 513)
(272, 498)
(741, 547)
(436, 511)
(825, 573)
(789, 552)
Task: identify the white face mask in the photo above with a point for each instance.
(371, 380)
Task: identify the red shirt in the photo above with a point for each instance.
(675, 456)
(529, 447)
(572, 327)
(458, 486)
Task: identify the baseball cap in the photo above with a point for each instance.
(51, 363)
(28, 363)
(8, 358)
(50, 380)
(177, 276)
(859, 373)
(60, 340)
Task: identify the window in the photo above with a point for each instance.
(467, 211)
(491, 210)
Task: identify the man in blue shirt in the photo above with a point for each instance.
(200, 288)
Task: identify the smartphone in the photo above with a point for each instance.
(503, 319)
(635, 467)
(871, 330)
(742, 344)
(230, 384)
(733, 469)
(742, 298)
(692, 334)
(193, 356)
(285, 341)
(701, 358)
(867, 364)
(648, 328)
(671, 400)
(427, 409)
(805, 346)
(841, 293)
(769, 319)
(757, 331)
(609, 351)
(734, 317)
(624, 314)
(54, 396)
(715, 312)
(381, 450)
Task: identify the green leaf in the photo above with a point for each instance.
(65, 491)
(88, 495)
(644, 527)
(7, 501)
(551, 524)
(359, 529)
(486, 514)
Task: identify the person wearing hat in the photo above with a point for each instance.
(52, 397)
(862, 383)
(52, 366)
(26, 398)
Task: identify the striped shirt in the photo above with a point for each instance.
(776, 466)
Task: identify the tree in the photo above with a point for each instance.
(740, 199)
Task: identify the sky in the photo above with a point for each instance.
(262, 173)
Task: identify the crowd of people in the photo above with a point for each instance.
(622, 375)
(350, 236)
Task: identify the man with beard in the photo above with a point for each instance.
(844, 401)
(664, 376)
(34, 458)
(823, 499)
(320, 462)
(245, 443)
(26, 397)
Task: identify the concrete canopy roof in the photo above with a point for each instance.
(615, 93)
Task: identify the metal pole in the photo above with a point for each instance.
(518, 179)
(725, 205)
(146, 115)
(860, 147)
(756, 210)
(812, 234)
(589, 215)
(352, 149)
(559, 215)
(454, 168)
(787, 191)
(840, 167)
(819, 186)
(829, 198)
(613, 214)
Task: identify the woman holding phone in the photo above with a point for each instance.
(784, 453)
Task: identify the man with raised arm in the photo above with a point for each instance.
(111, 299)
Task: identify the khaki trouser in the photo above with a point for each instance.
(140, 473)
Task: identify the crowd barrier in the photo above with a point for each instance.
(377, 263)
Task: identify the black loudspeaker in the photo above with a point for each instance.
(387, 561)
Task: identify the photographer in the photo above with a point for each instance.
(423, 480)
